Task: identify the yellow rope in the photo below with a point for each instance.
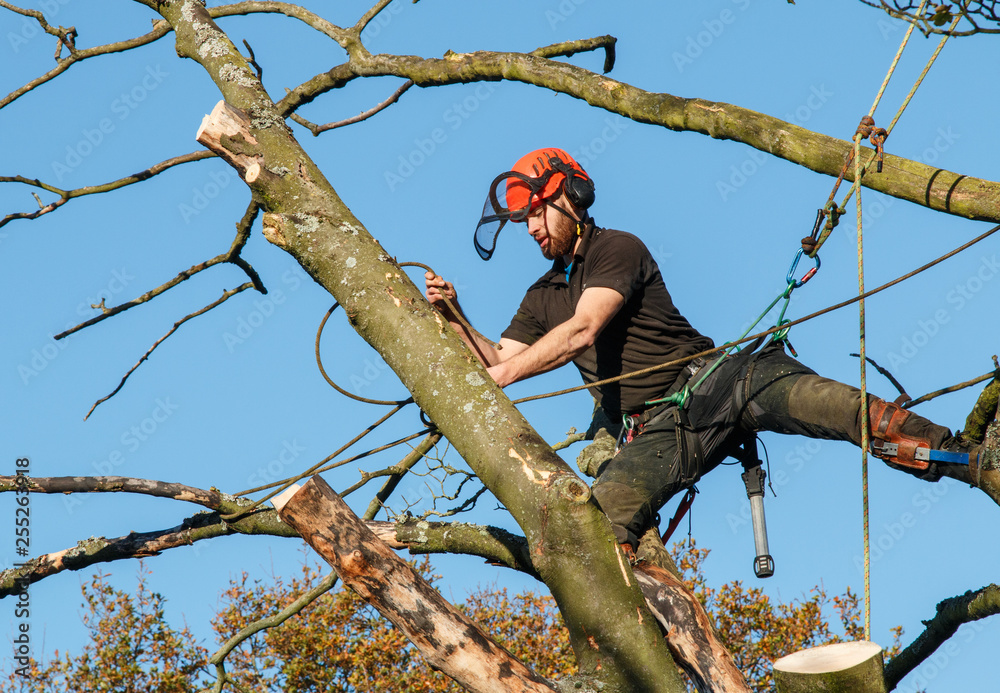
(899, 112)
(895, 60)
(825, 233)
(864, 398)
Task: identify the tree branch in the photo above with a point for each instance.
(319, 129)
(913, 181)
(205, 525)
(567, 49)
(211, 499)
(160, 29)
(951, 613)
(369, 16)
(146, 297)
(939, 21)
(951, 388)
(690, 635)
(225, 296)
(448, 639)
(67, 195)
(496, 545)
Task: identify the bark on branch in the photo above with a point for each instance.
(96, 550)
(689, 632)
(906, 179)
(450, 641)
(951, 613)
(211, 499)
(493, 544)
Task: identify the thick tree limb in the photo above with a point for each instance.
(495, 545)
(843, 667)
(571, 541)
(951, 613)
(689, 632)
(909, 180)
(447, 638)
(113, 484)
(138, 545)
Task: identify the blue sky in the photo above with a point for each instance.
(234, 397)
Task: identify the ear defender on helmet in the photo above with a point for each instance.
(536, 177)
(577, 185)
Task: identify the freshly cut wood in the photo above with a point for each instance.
(450, 641)
(226, 131)
(689, 632)
(846, 667)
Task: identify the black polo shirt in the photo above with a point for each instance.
(647, 331)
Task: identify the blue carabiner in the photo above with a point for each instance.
(806, 277)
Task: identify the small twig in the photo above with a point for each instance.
(64, 36)
(146, 297)
(242, 235)
(368, 17)
(569, 48)
(160, 29)
(887, 374)
(225, 296)
(571, 437)
(67, 195)
(954, 388)
(395, 473)
(253, 60)
(318, 129)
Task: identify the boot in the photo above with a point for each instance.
(904, 441)
(896, 438)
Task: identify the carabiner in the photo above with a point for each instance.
(806, 277)
(782, 335)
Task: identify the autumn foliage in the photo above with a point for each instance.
(339, 644)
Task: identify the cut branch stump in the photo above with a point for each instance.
(451, 642)
(846, 667)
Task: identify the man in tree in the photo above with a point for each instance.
(604, 306)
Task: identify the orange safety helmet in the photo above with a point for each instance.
(536, 178)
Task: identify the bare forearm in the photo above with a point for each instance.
(557, 348)
(487, 354)
(566, 341)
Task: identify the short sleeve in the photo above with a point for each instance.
(616, 261)
(527, 325)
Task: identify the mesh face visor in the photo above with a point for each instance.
(512, 196)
